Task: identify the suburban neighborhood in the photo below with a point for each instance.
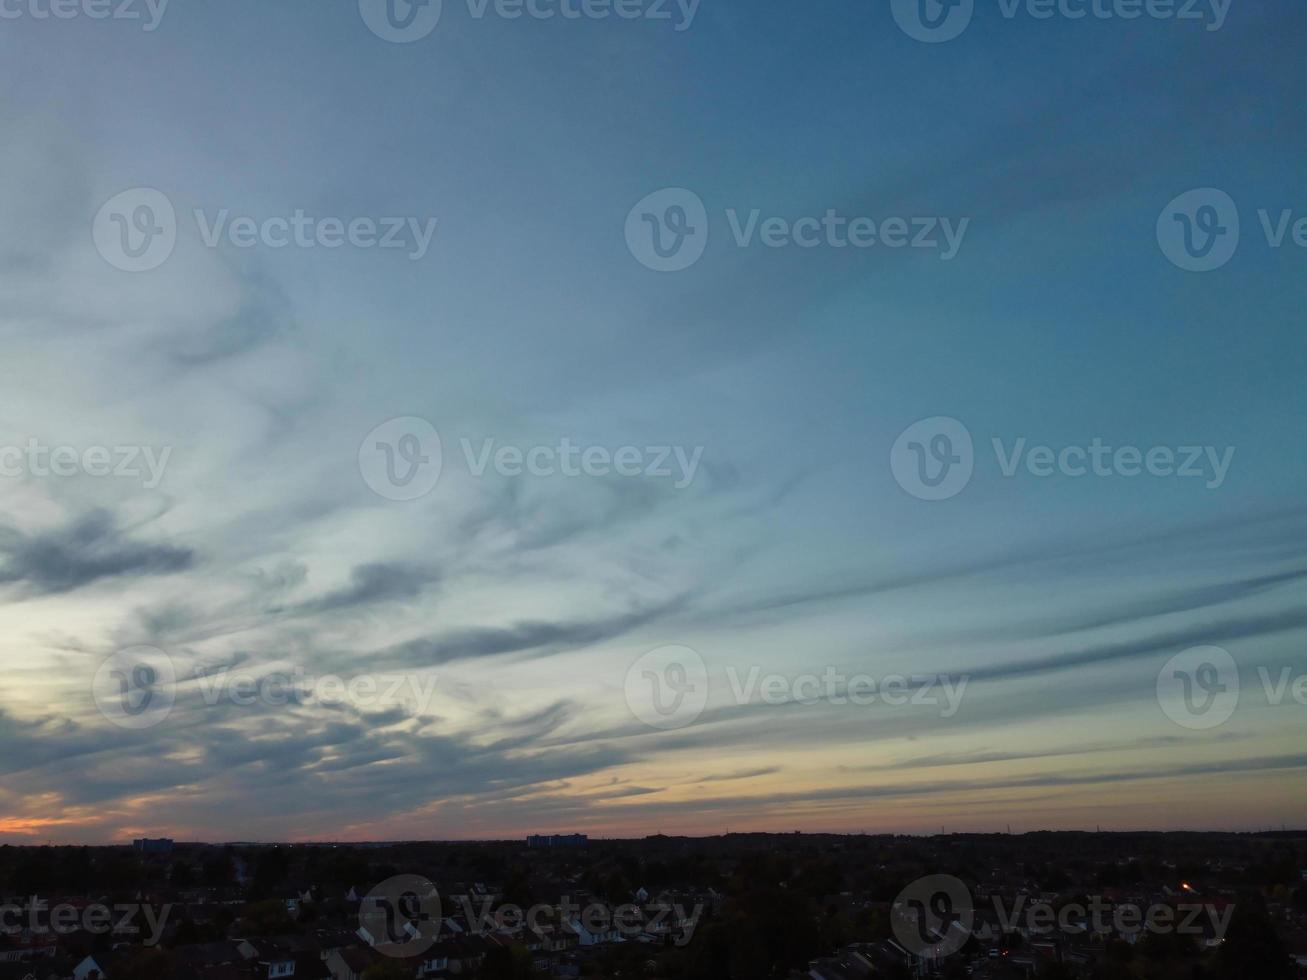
(821, 907)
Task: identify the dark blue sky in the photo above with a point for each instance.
(944, 391)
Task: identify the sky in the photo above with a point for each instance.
(851, 416)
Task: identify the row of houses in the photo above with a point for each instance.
(556, 938)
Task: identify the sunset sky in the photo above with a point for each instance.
(512, 606)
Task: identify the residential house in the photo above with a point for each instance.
(351, 963)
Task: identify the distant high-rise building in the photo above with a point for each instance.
(557, 840)
(148, 845)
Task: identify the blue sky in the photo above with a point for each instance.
(525, 600)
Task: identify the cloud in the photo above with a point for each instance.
(538, 637)
(771, 802)
(728, 777)
(369, 584)
(1211, 631)
(944, 760)
(1266, 536)
(90, 548)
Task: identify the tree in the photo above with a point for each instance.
(268, 918)
(219, 869)
(387, 970)
(182, 875)
(506, 963)
(145, 964)
(1252, 950)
